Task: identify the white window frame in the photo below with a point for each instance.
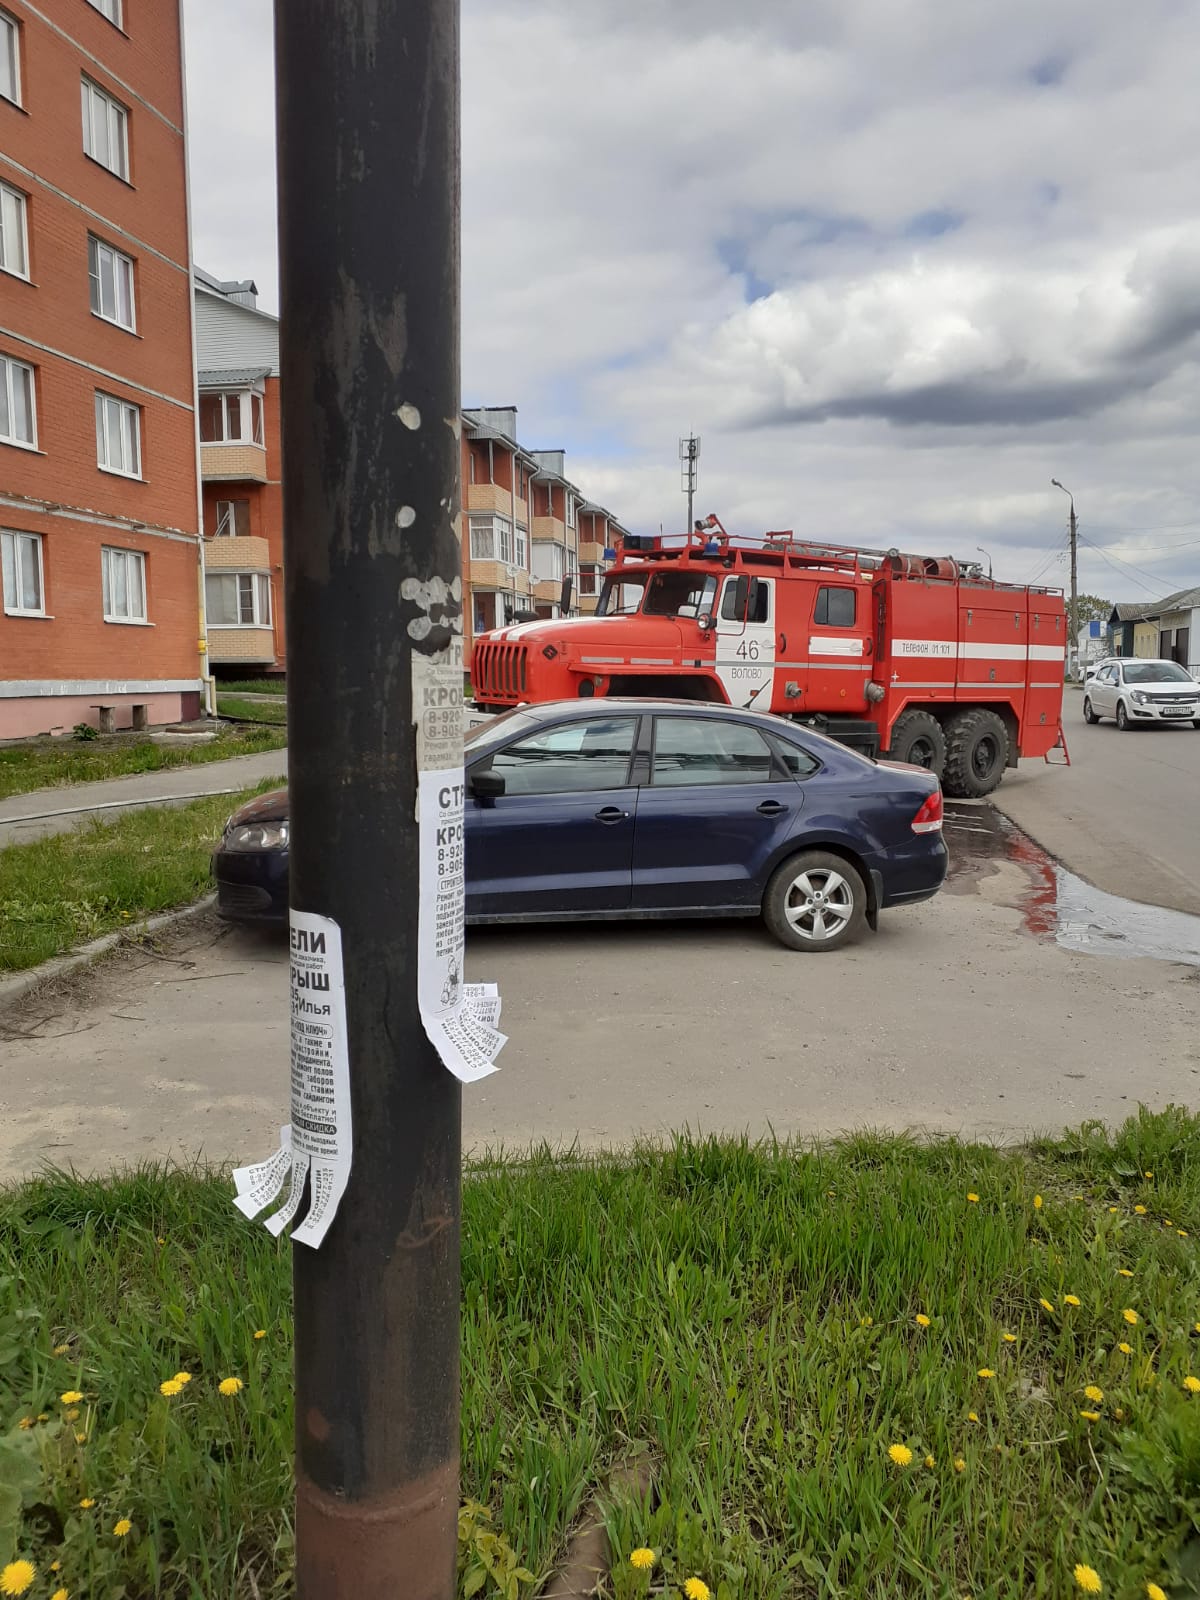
(10, 32)
(500, 538)
(122, 268)
(10, 539)
(117, 120)
(251, 417)
(129, 436)
(255, 586)
(9, 365)
(521, 546)
(571, 509)
(133, 561)
(14, 201)
(227, 519)
(110, 9)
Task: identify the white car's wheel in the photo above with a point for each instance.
(1088, 714)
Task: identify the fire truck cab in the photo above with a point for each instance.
(924, 658)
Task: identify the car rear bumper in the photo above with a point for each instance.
(914, 871)
(252, 887)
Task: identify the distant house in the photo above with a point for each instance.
(1168, 629)
(1129, 633)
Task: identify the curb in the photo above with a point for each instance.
(23, 983)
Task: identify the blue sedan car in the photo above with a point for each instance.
(642, 809)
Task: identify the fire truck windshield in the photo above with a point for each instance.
(679, 593)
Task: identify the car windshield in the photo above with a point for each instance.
(678, 593)
(1156, 672)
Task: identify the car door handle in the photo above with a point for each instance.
(771, 808)
(612, 814)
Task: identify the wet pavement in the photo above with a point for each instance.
(1059, 905)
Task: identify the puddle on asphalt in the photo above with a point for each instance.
(1059, 905)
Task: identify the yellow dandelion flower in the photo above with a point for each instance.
(260, 1333)
(922, 1320)
(1072, 1300)
(122, 1528)
(986, 1372)
(1140, 1211)
(930, 1462)
(26, 1423)
(60, 1594)
(1182, 1232)
(1131, 1316)
(1037, 1202)
(696, 1589)
(72, 1414)
(900, 1454)
(17, 1576)
(1192, 1385)
(972, 1416)
(182, 1378)
(43, 1416)
(1125, 1349)
(72, 1397)
(1090, 1416)
(81, 1438)
(160, 1240)
(1094, 1393)
(1147, 1174)
(1088, 1579)
(56, 1566)
(959, 1464)
(171, 1387)
(1119, 1414)
(86, 1504)
(866, 1322)
(1153, 1592)
(642, 1558)
(1009, 1338)
(1114, 1208)
(1046, 1305)
(231, 1386)
(1167, 1223)
(1196, 1327)
(1124, 1272)
(61, 1349)
(973, 1198)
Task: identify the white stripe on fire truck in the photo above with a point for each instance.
(822, 646)
(978, 652)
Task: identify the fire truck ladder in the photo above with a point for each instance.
(1059, 744)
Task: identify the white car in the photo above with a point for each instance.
(1134, 691)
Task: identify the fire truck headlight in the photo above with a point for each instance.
(875, 692)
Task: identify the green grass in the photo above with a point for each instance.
(58, 892)
(746, 1315)
(251, 685)
(229, 705)
(47, 763)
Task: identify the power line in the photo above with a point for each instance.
(1130, 573)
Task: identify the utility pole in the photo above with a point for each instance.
(368, 155)
(1073, 643)
(689, 456)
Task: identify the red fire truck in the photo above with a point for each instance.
(924, 658)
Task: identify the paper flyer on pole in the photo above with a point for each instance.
(316, 1148)
(459, 1018)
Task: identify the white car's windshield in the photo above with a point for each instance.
(1156, 672)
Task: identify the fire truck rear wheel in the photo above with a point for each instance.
(976, 754)
(917, 737)
(816, 901)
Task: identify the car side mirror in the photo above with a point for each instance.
(487, 785)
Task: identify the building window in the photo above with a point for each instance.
(18, 423)
(118, 436)
(238, 599)
(124, 582)
(570, 510)
(521, 546)
(14, 233)
(110, 276)
(235, 418)
(10, 58)
(588, 580)
(108, 8)
(492, 539)
(233, 519)
(21, 563)
(105, 129)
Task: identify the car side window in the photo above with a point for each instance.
(572, 757)
(798, 762)
(695, 750)
(835, 608)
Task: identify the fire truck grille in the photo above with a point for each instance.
(499, 672)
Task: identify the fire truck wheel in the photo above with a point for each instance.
(976, 754)
(816, 901)
(918, 738)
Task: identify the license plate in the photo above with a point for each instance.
(1178, 711)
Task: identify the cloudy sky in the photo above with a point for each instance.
(898, 262)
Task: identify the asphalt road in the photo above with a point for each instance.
(1125, 814)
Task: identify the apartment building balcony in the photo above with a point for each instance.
(499, 575)
(233, 463)
(494, 497)
(551, 529)
(233, 646)
(236, 555)
(590, 554)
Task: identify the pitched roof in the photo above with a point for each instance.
(1135, 611)
(230, 377)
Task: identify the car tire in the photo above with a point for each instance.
(1122, 717)
(1088, 714)
(917, 737)
(1196, 724)
(808, 889)
(976, 754)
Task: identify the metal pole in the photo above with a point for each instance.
(369, 264)
(1072, 625)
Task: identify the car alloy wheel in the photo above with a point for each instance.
(819, 904)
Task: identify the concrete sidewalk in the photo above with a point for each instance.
(32, 816)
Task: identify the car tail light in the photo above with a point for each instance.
(929, 818)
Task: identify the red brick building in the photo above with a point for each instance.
(237, 354)
(99, 501)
